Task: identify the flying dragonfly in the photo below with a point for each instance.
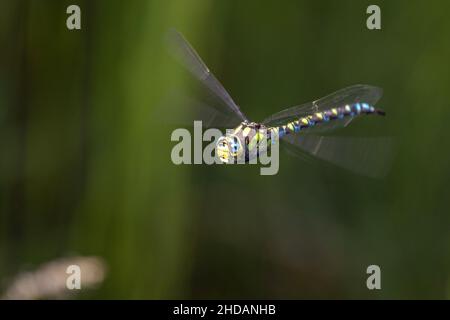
(301, 127)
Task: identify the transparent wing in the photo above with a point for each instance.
(211, 117)
(192, 61)
(366, 156)
(184, 110)
(349, 95)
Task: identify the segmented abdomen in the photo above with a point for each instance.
(317, 118)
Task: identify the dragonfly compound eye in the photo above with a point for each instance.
(222, 149)
(234, 146)
(228, 147)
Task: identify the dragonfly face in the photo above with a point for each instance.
(228, 147)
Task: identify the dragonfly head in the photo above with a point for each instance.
(228, 147)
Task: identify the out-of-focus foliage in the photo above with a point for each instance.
(85, 160)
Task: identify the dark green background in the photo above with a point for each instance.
(85, 163)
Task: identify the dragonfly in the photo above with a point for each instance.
(301, 128)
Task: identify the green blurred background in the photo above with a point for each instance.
(85, 162)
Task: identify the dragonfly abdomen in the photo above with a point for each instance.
(315, 119)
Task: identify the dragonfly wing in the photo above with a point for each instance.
(349, 95)
(192, 61)
(212, 118)
(184, 110)
(366, 156)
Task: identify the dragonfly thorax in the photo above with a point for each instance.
(238, 143)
